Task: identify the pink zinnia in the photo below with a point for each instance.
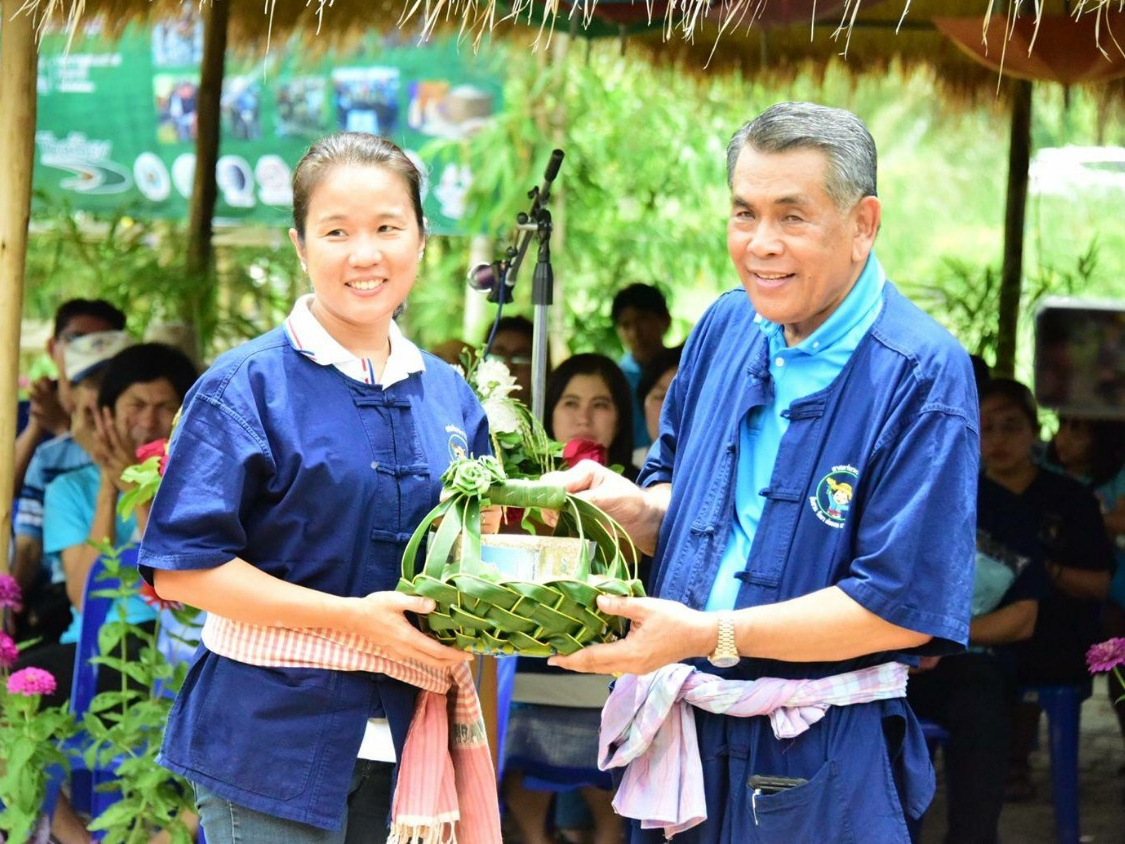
(11, 595)
(31, 681)
(1105, 656)
(9, 653)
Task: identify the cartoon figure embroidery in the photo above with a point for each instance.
(840, 498)
(833, 496)
(458, 443)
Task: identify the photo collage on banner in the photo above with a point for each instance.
(118, 119)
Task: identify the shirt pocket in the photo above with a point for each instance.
(812, 813)
(243, 710)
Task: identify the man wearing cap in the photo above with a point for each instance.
(810, 506)
(47, 611)
(48, 404)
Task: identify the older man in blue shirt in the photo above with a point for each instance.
(810, 500)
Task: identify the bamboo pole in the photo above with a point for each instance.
(204, 191)
(18, 67)
(1011, 278)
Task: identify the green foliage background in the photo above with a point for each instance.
(642, 197)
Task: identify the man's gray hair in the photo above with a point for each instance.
(838, 133)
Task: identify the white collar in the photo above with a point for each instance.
(312, 340)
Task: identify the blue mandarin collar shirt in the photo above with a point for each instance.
(797, 371)
(317, 478)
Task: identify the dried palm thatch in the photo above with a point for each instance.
(886, 34)
(768, 40)
(688, 20)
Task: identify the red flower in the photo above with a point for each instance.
(149, 596)
(156, 448)
(576, 450)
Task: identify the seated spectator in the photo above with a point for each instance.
(552, 736)
(1076, 553)
(49, 401)
(140, 390)
(972, 694)
(640, 315)
(651, 390)
(1092, 451)
(512, 345)
(46, 612)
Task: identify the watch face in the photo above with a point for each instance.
(723, 661)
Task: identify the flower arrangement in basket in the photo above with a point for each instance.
(531, 595)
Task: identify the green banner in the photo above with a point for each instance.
(117, 119)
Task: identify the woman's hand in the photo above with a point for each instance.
(381, 617)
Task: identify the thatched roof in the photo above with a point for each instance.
(774, 39)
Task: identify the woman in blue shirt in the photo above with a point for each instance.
(302, 464)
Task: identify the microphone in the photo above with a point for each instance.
(485, 277)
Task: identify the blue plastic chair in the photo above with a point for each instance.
(936, 738)
(1063, 706)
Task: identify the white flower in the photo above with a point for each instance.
(493, 380)
(502, 415)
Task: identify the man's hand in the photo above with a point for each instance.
(639, 511)
(45, 408)
(661, 632)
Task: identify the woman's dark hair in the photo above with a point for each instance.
(1107, 448)
(621, 449)
(143, 364)
(352, 148)
(1016, 394)
(665, 359)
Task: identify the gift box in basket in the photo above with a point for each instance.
(505, 594)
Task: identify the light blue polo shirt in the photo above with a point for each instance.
(797, 371)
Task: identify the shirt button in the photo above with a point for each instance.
(816, 345)
(375, 464)
(780, 361)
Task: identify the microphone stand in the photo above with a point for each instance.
(536, 221)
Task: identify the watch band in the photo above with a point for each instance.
(726, 653)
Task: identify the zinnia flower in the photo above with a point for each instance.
(1106, 656)
(32, 681)
(9, 653)
(11, 596)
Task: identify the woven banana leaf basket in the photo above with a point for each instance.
(485, 608)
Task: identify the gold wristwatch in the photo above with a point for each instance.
(726, 653)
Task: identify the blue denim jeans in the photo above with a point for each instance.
(369, 808)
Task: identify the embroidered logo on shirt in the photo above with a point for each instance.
(458, 443)
(833, 496)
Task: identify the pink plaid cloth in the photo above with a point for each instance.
(446, 791)
(649, 729)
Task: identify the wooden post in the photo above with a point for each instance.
(1011, 278)
(204, 191)
(18, 69)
